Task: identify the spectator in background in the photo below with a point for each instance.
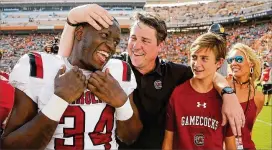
(246, 68)
(270, 59)
(2, 73)
(219, 29)
(266, 80)
(48, 48)
(6, 98)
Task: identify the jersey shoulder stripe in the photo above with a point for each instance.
(126, 71)
(36, 65)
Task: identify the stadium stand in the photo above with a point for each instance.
(27, 25)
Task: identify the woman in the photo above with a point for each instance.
(245, 68)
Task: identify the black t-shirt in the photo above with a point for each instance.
(151, 97)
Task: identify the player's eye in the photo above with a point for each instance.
(104, 35)
(116, 42)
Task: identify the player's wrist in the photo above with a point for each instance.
(71, 23)
(70, 19)
(55, 108)
(124, 112)
(62, 95)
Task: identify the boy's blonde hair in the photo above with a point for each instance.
(214, 42)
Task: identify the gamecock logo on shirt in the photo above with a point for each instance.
(199, 139)
(158, 84)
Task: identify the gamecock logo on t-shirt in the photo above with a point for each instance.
(199, 139)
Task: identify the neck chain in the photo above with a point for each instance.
(249, 91)
(241, 83)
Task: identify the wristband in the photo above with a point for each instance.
(73, 25)
(124, 112)
(55, 108)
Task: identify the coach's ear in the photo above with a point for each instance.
(161, 46)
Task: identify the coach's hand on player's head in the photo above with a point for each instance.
(91, 13)
(106, 88)
(70, 85)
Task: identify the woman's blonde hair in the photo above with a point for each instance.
(252, 57)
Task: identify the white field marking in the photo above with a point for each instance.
(267, 123)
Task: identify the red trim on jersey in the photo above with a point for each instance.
(36, 65)
(39, 65)
(6, 99)
(126, 72)
(4, 74)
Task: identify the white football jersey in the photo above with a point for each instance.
(88, 123)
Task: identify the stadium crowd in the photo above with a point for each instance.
(259, 37)
(176, 14)
(182, 14)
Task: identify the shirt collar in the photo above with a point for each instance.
(70, 66)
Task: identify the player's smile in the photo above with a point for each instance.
(102, 54)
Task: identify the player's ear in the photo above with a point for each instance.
(79, 32)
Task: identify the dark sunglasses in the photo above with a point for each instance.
(238, 59)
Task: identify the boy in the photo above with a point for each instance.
(194, 110)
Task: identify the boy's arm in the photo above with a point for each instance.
(230, 143)
(231, 109)
(168, 140)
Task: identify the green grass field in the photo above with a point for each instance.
(262, 130)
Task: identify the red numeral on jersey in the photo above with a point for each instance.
(105, 120)
(77, 131)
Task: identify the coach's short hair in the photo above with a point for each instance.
(154, 22)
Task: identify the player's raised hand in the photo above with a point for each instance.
(91, 13)
(106, 88)
(70, 85)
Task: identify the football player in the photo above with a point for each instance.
(79, 102)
